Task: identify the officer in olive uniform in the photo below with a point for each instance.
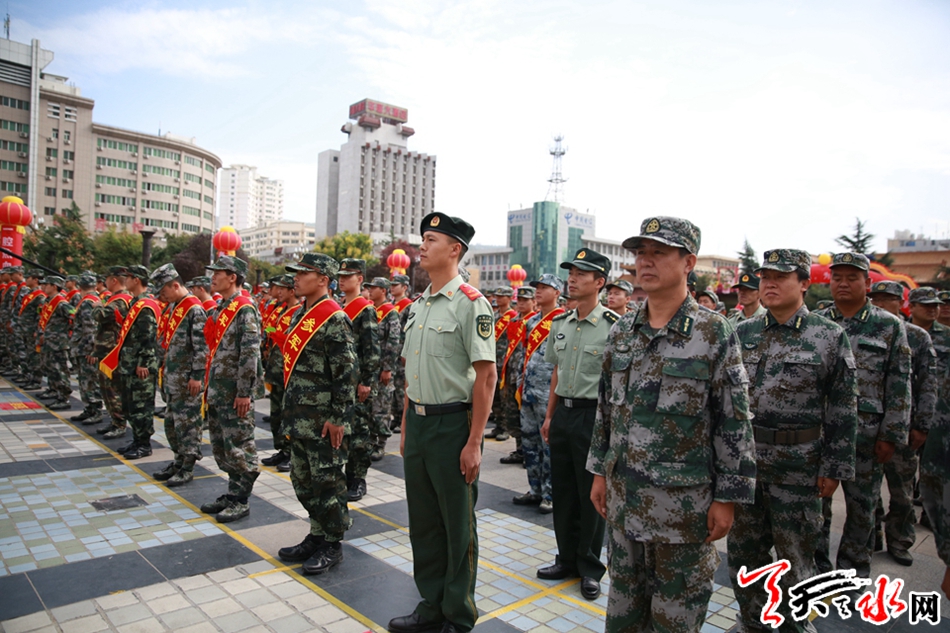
(576, 349)
(450, 381)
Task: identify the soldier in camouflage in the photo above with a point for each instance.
(201, 288)
(274, 367)
(55, 320)
(84, 342)
(943, 312)
(137, 370)
(5, 340)
(672, 449)
(390, 347)
(184, 352)
(803, 394)
(901, 470)
(503, 314)
(27, 320)
(883, 362)
(618, 295)
(747, 289)
(16, 297)
(534, 385)
(233, 378)
(399, 288)
(366, 336)
(8, 364)
(321, 373)
(508, 409)
(109, 317)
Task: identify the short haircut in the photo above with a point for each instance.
(240, 280)
(803, 275)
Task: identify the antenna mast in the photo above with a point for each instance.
(557, 180)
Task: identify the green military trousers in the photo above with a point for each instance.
(441, 517)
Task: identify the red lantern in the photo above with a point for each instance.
(14, 216)
(226, 241)
(398, 262)
(517, 275)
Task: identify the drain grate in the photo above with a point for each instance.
(118, 503)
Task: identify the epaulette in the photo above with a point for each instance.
(470, 292)
(563, 315)
(611, 316)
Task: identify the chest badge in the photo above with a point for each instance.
(750, 345)
(559, 336)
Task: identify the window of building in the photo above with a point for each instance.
(68, 174)
(52, 152)
(68, 193)
(17, 104)
(70, 113)
(49, 210)
(50, 191)
(66, 135)
(209, 168)
(53, 110)
(209, 184)
(190, 210)
(51, 171)
(110, 199)
(68, 155)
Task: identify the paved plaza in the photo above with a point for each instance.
(90, 542)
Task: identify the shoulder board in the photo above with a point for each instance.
(563, 315)
(611, 316)
(470, 292)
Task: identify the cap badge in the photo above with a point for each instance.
(582, 255)
(846, 257)
(881, 286)
(773, 257)
(745, 278)
(434, 221)
(653, 226)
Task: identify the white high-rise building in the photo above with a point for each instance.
(248, 200)
(373, 184)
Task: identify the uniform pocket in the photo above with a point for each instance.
(440, 338)
(619, 366)
(679, 474)
(592, 360)
(684, 388)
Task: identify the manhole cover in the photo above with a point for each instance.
(118, 503)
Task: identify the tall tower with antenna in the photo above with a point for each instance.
(557, 179)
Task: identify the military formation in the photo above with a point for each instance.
(659, 425)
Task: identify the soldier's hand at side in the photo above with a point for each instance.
(194, 387)
(469, 461)
(141, 372)
(385, 377)
(362, 392)
(917, 439)
(336, 434)
(545, 429)
(826, 486)
(92, 360)
(719, 520)
(598, 495)
(883, 451)
(242, 406)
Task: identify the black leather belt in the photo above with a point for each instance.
(796, 436)
(441, 409)
(578, 403)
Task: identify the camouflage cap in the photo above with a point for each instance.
(116, 271)
(163, 275)
(55, 280)
(13, 269)
(692, 279)
(230, 264)
(378, 282)
(747, 280)
(857, 260)
(504, 291)
(887, 288)
(451, 226)
(35, 272)
(283, 281)
(247, 286)
(622, 284)
(709, 292)
(315, 263)
(73, 278)
(526, 292)
(785, 260)
(944, 295)
(400, 280)
(666, 230)
(587, 259)
(201, 280)
(351, 266)
(138, 272)
(925, 296)
(87, 281)
(549, 280)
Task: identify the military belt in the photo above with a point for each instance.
(796, 436)
(441, 409)
(578, 403)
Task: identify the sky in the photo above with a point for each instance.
(780, 122)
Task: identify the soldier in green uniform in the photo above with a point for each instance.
(748, 290)
(618, 294)
(803, 394)
(55, 322)
(366, 334)
(450, 382)
(234, 377)
(84, 337)
(183, 354)
(883, 361)
(321, 374)
(390, 348)
(901, 470)
(576, 349)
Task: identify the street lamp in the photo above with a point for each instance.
(147, 234)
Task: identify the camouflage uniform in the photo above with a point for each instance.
(55, 347)
(84, 337)
(935, 459)
(7, 346)
(883, 361)
(390, 347)
(321, 389)
(182, 360)
(28, 317)
(235, 372)
(803, 394)
(109, 316)
(19, 350)
(501, 347)
(274, 373)
(509, 415)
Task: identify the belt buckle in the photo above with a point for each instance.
(420, 409)
(569, 403)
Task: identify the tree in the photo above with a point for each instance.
(816, 293)
(266, 271)
(64, 246)
(859, 241)
(174, 244)
(114, 248)
(346, 244)
(748, 261)
(190, 262)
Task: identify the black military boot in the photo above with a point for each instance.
(301, 552)
(166, 473)
(355, 489)
(185, 474)
(328, 556)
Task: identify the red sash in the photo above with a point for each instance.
(279, 335)
(111, 361)
(91, 298)
(209, 304)
(10, 286)
(404, 303)
(105, 295)
(28, 299)
(502, 324)
(515, 337)
(356, 306)
(47, 310)
(71, 294)
(171, 319)
(538, 335)
(119, 295)
(301, 334)
(215, 328)
(383, 310)
(273, 316)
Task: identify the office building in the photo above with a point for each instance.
(278, 241)
(248, 200)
